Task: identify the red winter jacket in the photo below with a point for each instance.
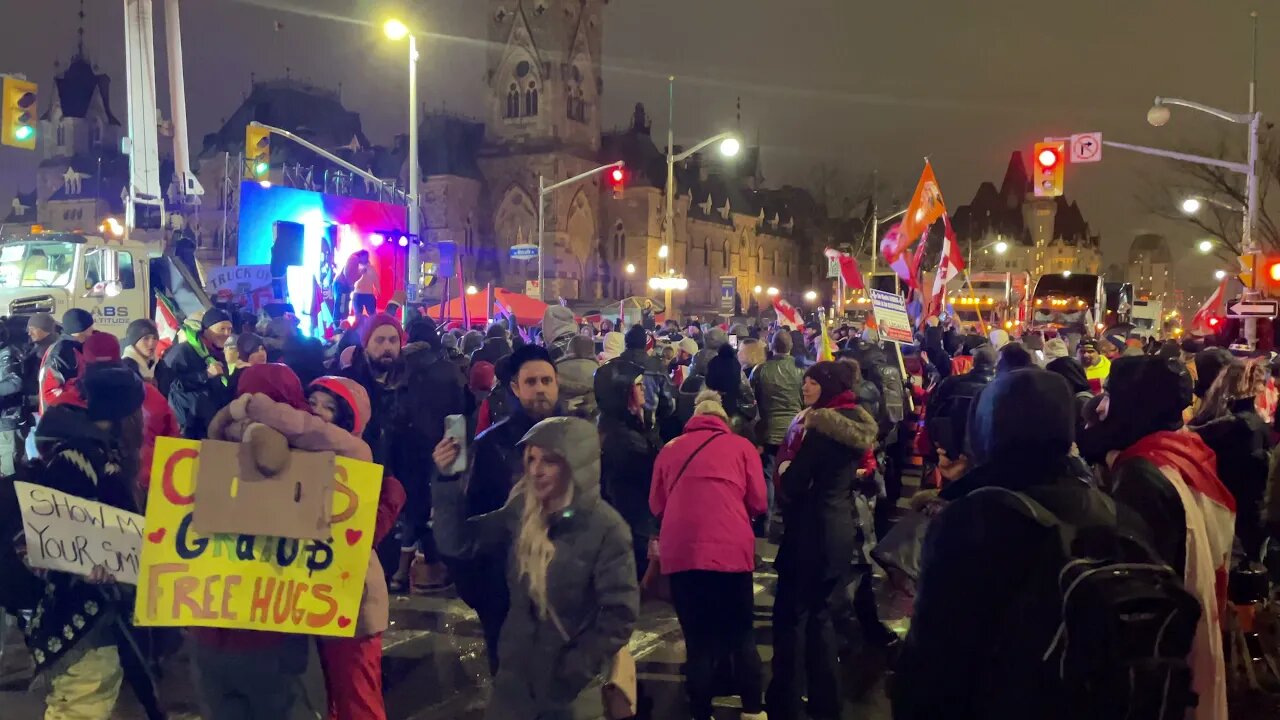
(158, 420)
(706, 512)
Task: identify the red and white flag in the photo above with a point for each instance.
(166, 324)
(950, 265)
(1209, 317)
(849, 271)
(906, 266)
(788, 316)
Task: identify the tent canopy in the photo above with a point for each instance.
(528, 311)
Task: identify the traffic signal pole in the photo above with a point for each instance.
(331, 158)
(543, 190)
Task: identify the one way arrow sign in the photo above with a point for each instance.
(1253, 308)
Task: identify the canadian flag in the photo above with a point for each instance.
(788, 316)
(166, 324)
(1209, 316)
(896, 257)
(848, 268)
(950, 265)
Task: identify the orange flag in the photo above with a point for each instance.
(925, 209)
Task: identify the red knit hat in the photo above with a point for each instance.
(377, 321)
(350, 392)
(100, 347)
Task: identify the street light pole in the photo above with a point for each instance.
(412, 270)
(668, 226)
(543, 191)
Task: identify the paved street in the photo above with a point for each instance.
(434, 666)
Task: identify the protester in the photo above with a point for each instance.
(196, 371)
(817, 467)
(338, 410)
(614, 343)
(707, 485)
(572, 584)
(42, 330)
(630, 446)
(679, 369)
(365, 289)
(724, 375)
(575, 371)
(61, 363)
(1071, 371)
(11, 403)
(1014, 356)
(558, 328)
(659, 398)
(138, 350)
(247, 673)
(493, 469)
(73, 635)
(249, 350)
(1168, 478)
(495, 347)
(1229, 423)
(751, 355)
(979, 553)
(947, 414)
(1096, 365)
(776, 385)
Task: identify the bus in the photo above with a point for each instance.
(1070, 303)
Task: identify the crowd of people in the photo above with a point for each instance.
(555, 474)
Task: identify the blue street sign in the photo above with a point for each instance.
(524, 251)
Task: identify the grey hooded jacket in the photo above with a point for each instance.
(591, 583)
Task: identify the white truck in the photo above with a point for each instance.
(115, 280)
(1147, 318)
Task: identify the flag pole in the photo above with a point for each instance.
(982, 324)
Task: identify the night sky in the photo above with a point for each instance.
(860, 85)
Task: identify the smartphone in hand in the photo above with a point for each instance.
(455, 426)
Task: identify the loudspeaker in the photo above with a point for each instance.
(286, 249)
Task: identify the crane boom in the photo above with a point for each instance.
(142, 144)
(188, 185)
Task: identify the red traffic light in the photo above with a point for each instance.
(1273, 271)
(1047, 158)
(617, 175)
(1214, 321)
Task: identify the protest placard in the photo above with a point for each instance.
(310, 587)
(891, 316)
(72, 534)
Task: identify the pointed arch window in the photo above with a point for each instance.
(62, 135)
(531, 100)
(513, 102)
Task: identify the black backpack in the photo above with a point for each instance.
(1100, 628)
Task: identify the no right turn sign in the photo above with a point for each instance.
(1086, 147)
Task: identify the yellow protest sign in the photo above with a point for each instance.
(310, 587)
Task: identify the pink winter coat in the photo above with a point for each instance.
(706, 514)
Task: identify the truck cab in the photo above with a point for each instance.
(115, 280)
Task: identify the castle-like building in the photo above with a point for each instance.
(479, 183)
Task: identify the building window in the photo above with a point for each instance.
(575, 100)
(619, 241)
(95, 134)
(531, 100)
(469, 236)
(513, 102)
(62, 135)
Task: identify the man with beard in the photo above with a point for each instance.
(1167, 476)
(1096, 365)
(495, 464)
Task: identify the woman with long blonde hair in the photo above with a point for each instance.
(570, 571)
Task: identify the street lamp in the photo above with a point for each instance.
(757, 289)
(631, 268)
(811, 296)
(662, 252)
(772, 292)
(1191, 206)
(395, 30)
(1000, 246)
(472, 290)
(1205, 246)
(1219, 274)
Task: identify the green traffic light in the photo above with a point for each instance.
(260, 168)
(24, 132)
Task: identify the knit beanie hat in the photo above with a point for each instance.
(833, 377)
(139, 329)
(112, 392)
(724, 372)
(637, 338)
(688, 346)
(212, 317)
(42, 321)
(100, 347)
(76, 320)
(377, 321)
(1055, 348)
(582, 346)
(421, 330)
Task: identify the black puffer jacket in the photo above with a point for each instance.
(1242, 444)
(11, 397)
(815, 492)
(629, 448)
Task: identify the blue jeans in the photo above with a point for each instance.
(769, 459)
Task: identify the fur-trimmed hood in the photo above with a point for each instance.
(852, 427)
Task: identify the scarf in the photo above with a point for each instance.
(796, 431)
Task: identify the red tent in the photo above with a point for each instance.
(528, 311)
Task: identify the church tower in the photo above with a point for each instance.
(544, 72)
